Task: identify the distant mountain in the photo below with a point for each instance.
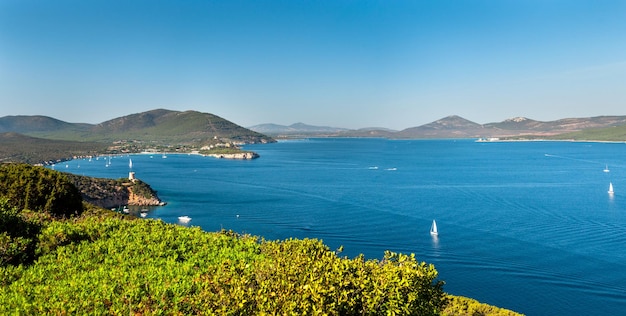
(567, 125)
(458, 127)
(174, 126)
(454, 126)
(296, 129)
(158, 126)
(166, 127)
(448, 127)
(37, 123)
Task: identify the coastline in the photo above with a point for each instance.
(482, 140)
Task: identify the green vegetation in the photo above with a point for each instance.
(45, 140)
(39, 189)
(109, 193)
(17, 236)
(223, 151)
(105, 263)
(156, 127)
(142, 189)
(616, 133)
(113, 266)
(20, 148)
(463, 306)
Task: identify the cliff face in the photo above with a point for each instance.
(139, 200)
(109, 193)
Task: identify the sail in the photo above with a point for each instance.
(611, 188)
(433, 228)
(130, 163)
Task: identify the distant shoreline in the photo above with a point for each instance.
(549, 140)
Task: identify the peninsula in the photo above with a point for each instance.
(110, 193)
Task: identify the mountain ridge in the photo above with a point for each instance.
(45, 140)
(159, 125)
(454, 126)
(184, 127)
(295, 129)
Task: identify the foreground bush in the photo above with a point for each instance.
(147, 267)
(463, 306)
(39, 189)
(18, 236)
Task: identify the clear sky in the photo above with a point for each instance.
(343, 63)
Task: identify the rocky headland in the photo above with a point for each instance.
(111, 193)
(240, 155)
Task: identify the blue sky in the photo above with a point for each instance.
(344, 63)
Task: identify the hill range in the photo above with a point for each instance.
(159, 126)
(42, 139)
(606, 128)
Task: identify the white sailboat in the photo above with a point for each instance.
(130, 163)
(611, 188)
(606, 168)
(433, 229)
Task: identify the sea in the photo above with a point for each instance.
(527, 226)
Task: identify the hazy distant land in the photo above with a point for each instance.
(42, 139)
(605, 128)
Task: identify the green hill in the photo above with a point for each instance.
(21, 148)
(38, 123)
(614, 133)
(166, 126)
(157, 126)
(46, 140)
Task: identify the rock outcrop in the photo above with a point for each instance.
(109, 193)
(139, 200)
(241, 155)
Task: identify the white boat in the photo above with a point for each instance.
(606, 168)
(184, 219)
(143, 214)
(130, 163)
(433, 229)
(611, 188)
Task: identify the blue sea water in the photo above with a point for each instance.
(527, 226)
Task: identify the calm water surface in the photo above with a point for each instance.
(527, 226)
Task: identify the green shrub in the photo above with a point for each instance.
(113, 266)
(463, 306)
(17, 236)
(39, 189)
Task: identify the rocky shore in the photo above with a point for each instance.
(110, 193)
(241, 156)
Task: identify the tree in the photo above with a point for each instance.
(39, 189)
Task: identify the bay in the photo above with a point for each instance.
(527, 226)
